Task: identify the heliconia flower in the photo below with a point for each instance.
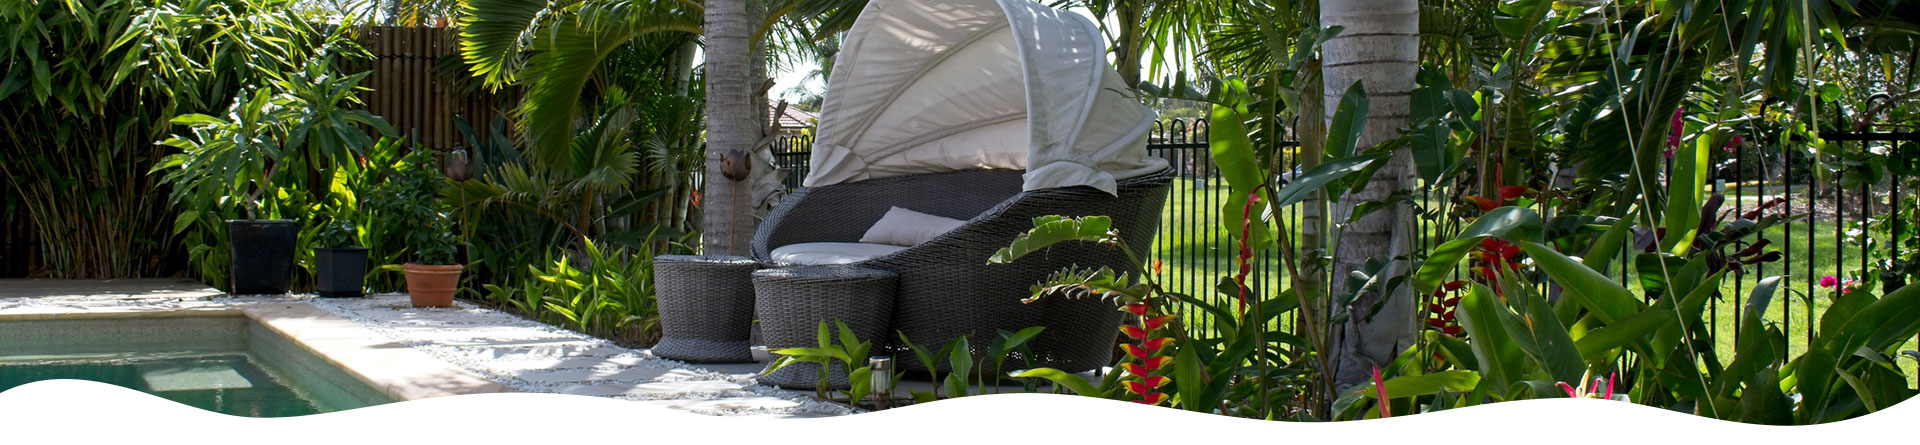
(1733, 145)
(1494, 244)
(1137, 309)
(1436, 308)
(1157, 322)
(1154, 345)
(1135, 369)
(1435, 322)
(1510, 251)
(1591, 390)
(1448, 316)
(1679, 125)
(1155, 363)
(1380, 388)
(1152, 399)
(1134, 332)
(1829, 281)
(1135, 351)
(1454, 285)
(1451, 302)
(1146, 386)
(1453, 330)
(1508, 193)
(1484, 203)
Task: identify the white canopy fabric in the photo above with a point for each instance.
(923, 86)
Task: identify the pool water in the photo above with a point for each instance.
(224, 383)
(222, 363)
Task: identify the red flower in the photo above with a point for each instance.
(1453, 330)
(1451, 302)
(1679, 125)
(1484, 203)
(1435, 322)
(1153, 399)
(1135, 351)
(1154, 345)
(1508, 193)
(1157, 322)
(1147, 385)
(1436, 308)
(1454, 285)
(1134, 332)
(1448, 316)
(1155, 363)
(1137, 309)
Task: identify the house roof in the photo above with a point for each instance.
(794, 117)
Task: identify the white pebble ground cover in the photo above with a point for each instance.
(524, 355)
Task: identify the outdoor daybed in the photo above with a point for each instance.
(987, 112)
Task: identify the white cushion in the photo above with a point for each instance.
(831, 253)
(902, 227)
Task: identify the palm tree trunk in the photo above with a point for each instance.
(731, 125)
(1311, 132)
(1380, 48)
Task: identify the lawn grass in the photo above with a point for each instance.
(1196, 251)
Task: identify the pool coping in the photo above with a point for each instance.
(395, 369)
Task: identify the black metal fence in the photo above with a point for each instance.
(1832, 240)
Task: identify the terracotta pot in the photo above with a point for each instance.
(432, 285)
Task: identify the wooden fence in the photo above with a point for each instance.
(418, 84)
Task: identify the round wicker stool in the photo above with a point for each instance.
(706, 308)
(792, 301)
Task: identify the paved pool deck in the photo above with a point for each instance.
(518, 354)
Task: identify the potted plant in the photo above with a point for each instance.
(231, 168)
(433, 276)
(228, 166)
(409, 196)
(339, 264)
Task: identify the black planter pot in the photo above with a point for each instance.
(338, 271)
(262, 255)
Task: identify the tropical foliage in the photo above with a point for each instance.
(90, 85)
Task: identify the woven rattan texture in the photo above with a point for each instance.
(947, 289)
(794, 300)
(706, 308)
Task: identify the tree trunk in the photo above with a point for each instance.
(1311, 132)
(1380, 48)
(731, 125)
(1132, 18)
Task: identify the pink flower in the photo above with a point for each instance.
(1829, 281)
(1733, 146)
(1673, 137)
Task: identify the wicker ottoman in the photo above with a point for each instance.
(792, 301)
(706, 308)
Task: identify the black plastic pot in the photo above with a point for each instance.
(338, 271)
(262, 254)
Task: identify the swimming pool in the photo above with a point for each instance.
(224, 362)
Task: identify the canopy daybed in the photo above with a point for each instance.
(991, 113)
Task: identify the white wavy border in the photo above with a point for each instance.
(74, 411)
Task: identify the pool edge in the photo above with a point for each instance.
(394, 369)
